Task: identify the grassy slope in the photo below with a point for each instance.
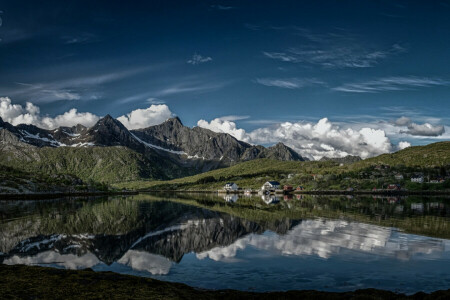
(24, 282)
(432, 155)
(253, 174)
(102, 164)
(13, 180)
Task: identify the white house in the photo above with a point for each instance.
(270, 186)
(398, 176)
(418, 179)
(231, 186)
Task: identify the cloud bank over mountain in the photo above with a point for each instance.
(310, 139)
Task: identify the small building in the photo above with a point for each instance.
(300, 188)
(418, 179)
(288, 188)
(394, 187)
(270, 186)
(398, 176)
(231, 186)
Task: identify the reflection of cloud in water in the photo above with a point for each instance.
(326, 238)
(68, 261)
(144, 261)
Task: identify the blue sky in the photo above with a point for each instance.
(360, 64)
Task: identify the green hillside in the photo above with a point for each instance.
(429, 156)
(252, 174)
(102, 164)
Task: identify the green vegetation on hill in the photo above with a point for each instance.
(13, 181)
(102, 164)
(432, 160)
(429, 156)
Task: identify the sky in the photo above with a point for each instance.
(328, 78)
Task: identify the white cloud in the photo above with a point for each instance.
(333, 51)
(425, 129)
(402, 145)
(142, 118)
(30, 114)
(288, 83)
(313, 140)
(390, 84)
(199, 59)
(224, 125)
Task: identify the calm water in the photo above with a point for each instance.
(249, 243)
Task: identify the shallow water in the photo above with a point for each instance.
(247, 243)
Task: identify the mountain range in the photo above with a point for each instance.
(109, 152)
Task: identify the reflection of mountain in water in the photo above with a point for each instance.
(164, 228)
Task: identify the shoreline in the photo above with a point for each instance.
(39, 196)
(319, 192)
(21, 281)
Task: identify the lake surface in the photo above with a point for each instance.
(247, 243)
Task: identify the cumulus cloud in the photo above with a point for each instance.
(199, 59)
(30, 114)
(142, 118)
(313, 140)
(224, 125)
(402, 145)
(425, 129)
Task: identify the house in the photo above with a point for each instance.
(231, 186)
(300, 188)
(394, 187)
(270, 186)
(417, 178)
(398, 176)
(288, 188)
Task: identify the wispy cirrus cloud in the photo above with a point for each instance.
(199, 59)
(335, 56)
(82, 38)
(75, 88)
(222, 7)
(337, 49)
(289, 83)
(391, 84)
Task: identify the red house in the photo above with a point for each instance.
(288, 188)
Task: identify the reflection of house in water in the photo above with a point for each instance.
(231, 198)
(399, 208)
(270, 199)
(287, 197)
(417, 207)
(299, 197)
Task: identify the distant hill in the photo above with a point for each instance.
(254, 173)
(429, 156)
(349, 159)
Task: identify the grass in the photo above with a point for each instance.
(25, 282)
(430, 159)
